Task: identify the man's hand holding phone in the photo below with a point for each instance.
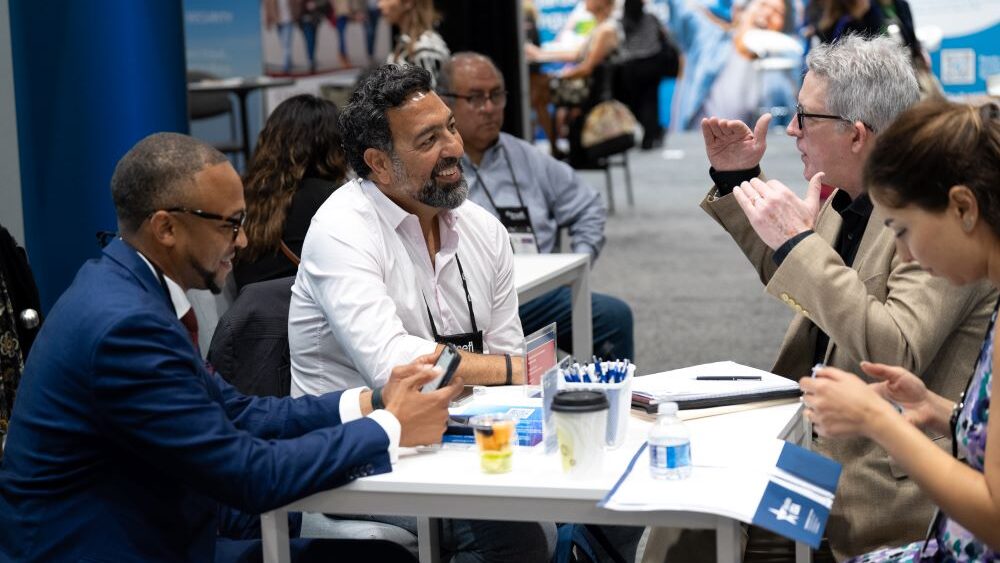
(422, 416)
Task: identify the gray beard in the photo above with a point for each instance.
(433, 194)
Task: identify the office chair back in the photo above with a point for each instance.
(250, 345)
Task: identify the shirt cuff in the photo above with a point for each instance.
(350, 404)
(586, 248)
(725, 181)
(392, 429)
(783, 250)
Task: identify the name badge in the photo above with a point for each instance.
(517, 221)
(467, 341)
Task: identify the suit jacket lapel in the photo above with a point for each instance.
(128, 258)
(873, 231)
(800, 339)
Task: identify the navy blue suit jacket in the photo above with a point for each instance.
(122, 444)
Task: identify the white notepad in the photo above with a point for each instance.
(683, 387)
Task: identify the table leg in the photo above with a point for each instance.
(729, 540)
(429, 540)
(274, 537)
(803, 553)
(242, 95)
(583, 338)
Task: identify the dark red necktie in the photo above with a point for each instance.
(190, 322)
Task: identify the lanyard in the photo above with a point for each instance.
(510, 168)
(468, 300)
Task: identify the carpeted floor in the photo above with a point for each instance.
(695, 297)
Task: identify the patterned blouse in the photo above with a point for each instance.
(949, 541)
(428, 52)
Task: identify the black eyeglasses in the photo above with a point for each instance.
(478, 100)
(235, 222)
(800, 115)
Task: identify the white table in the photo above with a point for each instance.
(537, 274)
(447, 483)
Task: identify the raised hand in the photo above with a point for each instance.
(731, 145)
(422, 416)
(775, 212)
(921, 407)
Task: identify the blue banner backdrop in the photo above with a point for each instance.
(90, 80)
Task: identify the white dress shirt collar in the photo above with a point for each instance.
(177, 296)
(407, 223)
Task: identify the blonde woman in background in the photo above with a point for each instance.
(418, 43)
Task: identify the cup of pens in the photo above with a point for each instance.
(614, 379)
(495, 434)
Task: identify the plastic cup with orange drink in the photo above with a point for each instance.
(495, 436)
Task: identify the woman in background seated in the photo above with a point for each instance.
(600, 46)
(418, 44)
(934, 176)
(298, 163)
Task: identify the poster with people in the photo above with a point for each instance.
(308, 37)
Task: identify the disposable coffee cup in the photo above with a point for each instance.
(581, 420)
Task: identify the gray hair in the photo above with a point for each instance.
(154, 174)
(446, 78)
(868, 80)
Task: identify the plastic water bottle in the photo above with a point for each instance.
(669, 445)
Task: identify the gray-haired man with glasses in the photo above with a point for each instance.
(835, 265)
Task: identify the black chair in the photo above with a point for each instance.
(604, 83)
(208, 105)
(250, 345)
(250, 350)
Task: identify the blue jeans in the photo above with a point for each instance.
(309, 34)
(285, 36)
(612, 322)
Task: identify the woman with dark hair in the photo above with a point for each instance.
(934, 176)
(298, 163)
(648, 57)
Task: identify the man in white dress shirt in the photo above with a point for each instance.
(396, 263)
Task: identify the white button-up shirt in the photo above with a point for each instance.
(360, 300)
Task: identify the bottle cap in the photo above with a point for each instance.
(667, 408)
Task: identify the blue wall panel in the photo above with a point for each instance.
(90, 80)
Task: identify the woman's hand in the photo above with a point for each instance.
(841, 405)
(922, 408)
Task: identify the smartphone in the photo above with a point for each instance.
(463, 397)
(448, 362)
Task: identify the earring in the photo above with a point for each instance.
(967, 224)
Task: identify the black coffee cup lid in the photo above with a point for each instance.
(579, 401)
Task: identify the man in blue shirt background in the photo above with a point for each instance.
(534, 196)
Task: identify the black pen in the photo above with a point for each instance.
(728, 378)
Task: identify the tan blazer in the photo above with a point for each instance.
(881, 310)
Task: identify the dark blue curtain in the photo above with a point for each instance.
(90, 80)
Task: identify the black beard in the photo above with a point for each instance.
(208, 277)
